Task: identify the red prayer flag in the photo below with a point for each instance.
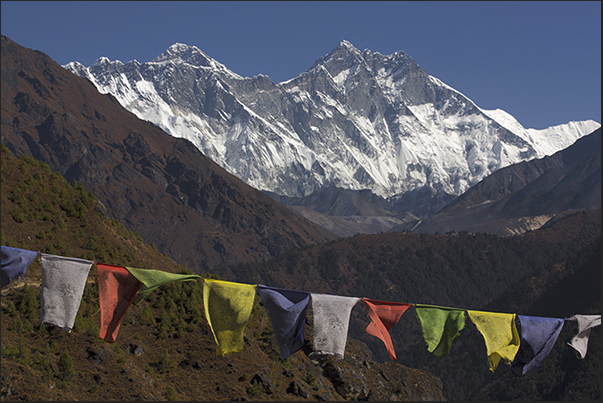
(384, 315)
(117, 288)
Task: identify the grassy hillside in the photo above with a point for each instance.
(165, 349)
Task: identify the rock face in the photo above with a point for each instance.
(162, 187)
(356, 120)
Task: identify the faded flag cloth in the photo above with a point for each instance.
(331, 321)
(117, 288)
(441, 325)
(287, 312)
(580, 341)
(500, 335)
(63, 282)
(14, 263)
(227, 309)
(538, 336)
(384, 316)
(152, 279)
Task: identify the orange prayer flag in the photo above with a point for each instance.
(384, 315)
(117, 288)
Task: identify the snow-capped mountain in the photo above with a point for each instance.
(355, 120)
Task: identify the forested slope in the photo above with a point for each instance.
(165, 349)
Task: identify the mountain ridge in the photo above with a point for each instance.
(355, 120)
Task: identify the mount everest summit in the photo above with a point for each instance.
(355, 123)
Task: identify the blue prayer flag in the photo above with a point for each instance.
(287, 312)
(14, 263)
(538, 336)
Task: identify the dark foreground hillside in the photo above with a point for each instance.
(559, 291)
(165, 349)
(553, 272)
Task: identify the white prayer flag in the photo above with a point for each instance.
(331, 320)
(580, 340)
(63, 282)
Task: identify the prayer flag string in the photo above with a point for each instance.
(228, 308)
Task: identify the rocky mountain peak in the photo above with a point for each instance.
(78, 69)
(105, 61)
(346, 44)
(373, 60)
(344, 47)
(182, 53)
(344, 56)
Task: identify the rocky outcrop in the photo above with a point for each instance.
(358, 377)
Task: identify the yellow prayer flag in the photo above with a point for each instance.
(500, 335)
(227, 309)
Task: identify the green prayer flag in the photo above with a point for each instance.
(440, 326)
(151, 279)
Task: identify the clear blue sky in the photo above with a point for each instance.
(540, 61)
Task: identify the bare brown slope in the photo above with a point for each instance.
(157, 185)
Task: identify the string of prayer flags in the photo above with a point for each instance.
(14, 263)
(384, 316)
(331, 321)
(522, 341)
(441, 325)
(580, 341)
(227, 309)
(117, 288)
(500, 334)
(152, 279)
(538, 336)
(287, 312)
(63, 282)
